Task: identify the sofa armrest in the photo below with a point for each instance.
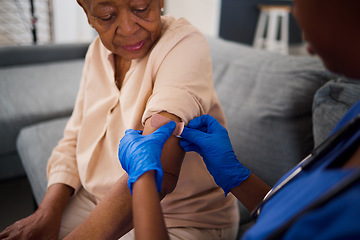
(15, 55)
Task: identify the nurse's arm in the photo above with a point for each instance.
(148, 218)
(251, 191)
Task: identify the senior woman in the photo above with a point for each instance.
(141, 64)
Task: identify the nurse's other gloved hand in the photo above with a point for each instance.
(206, 136)
(141, 153)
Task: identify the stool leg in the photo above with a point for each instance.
(260, 29)
(284, 35)
(270, 42)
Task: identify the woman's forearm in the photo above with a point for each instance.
(251, 191)
(148, 218)
(111, 218)
(55, 199)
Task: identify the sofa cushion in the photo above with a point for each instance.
(34, 93)
(35, 144)
(331, 102)
(267, 99)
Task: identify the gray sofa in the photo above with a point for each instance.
(274, 119)
(30, 92)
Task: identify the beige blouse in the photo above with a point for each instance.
(176, 76)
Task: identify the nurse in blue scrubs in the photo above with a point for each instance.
(319, 198)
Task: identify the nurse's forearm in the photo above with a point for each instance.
(251, 191)
(112, 217)
(148, 218)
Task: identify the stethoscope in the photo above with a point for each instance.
(319, 152)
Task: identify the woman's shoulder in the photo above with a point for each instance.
(169, 23)
(176, 34)
(174, 30)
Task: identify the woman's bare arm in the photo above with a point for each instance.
(171, 157)
(111, 218)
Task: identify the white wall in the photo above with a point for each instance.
(70, 23)
(204, 14)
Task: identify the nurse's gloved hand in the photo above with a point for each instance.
(206, 136)
(141, 153)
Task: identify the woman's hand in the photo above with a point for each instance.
(140, 153)
(206, 136)
(39, 225)
(45, 222)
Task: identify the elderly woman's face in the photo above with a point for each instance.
(128, 28)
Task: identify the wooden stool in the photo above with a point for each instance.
(270, 19)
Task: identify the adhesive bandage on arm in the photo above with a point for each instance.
(158, 120)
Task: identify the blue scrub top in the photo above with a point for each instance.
(337, 219)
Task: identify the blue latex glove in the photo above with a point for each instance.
(206, 136)
(141, 153)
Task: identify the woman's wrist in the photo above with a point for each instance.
(55, 200)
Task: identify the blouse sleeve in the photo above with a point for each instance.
(183, 84)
